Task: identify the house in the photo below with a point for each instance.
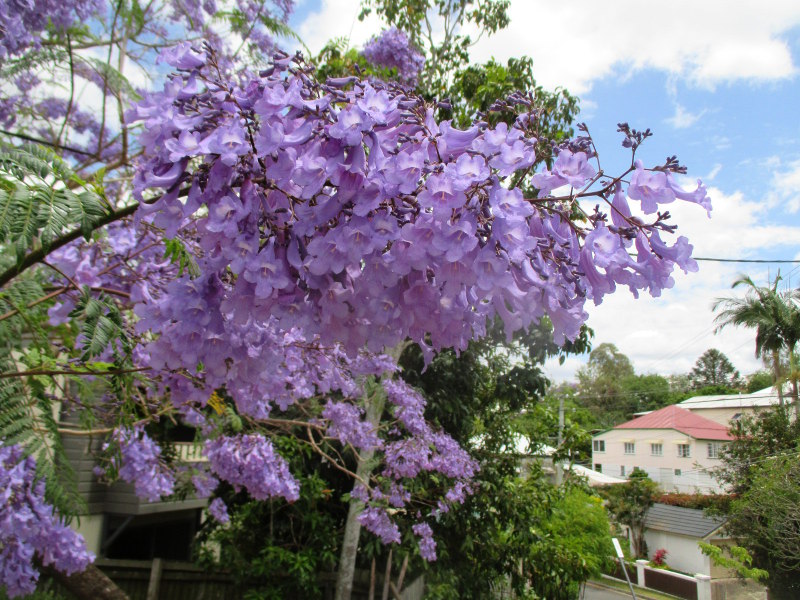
(117, 523)
(725, 409)
(678, 531)
(674, 446)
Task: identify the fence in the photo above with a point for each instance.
(159, 579)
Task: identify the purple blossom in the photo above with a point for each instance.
(377, 521)
(392, 49)
(29, 527)
(250, 462)
(219, 511)
(347, 424)
(140, 464)
(427, 545)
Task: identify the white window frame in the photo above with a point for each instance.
(657, 449)
(684, 451)
(630, 447)
(598, 445)
(713, 449)
(622, 471)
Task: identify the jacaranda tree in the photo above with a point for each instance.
(250, 248)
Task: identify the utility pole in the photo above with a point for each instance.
(557, 465)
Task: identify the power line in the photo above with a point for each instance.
(745, 260)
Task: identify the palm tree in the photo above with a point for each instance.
(776, 318)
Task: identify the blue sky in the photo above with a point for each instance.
(719, 85)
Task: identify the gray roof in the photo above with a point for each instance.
(684, 521)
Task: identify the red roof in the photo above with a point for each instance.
(680, 419)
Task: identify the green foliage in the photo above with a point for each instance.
(759, 381)
(177, 254)
(276, 549)
(628, 504)
(444, 55)
(600, 384)
(338, 59)
(713, 368)
(736, 558)
(520, 536)
(40, 197)
(760, 468)
(576, 546)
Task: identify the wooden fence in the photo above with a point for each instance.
(168, 580)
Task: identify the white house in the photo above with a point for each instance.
(674, 446)
(678, 531)
(724, 409)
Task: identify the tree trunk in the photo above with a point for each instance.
(776, 368)
(374, 400)
(91, 584)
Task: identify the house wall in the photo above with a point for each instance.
(723, 416)
(661, 469)
(683, 553)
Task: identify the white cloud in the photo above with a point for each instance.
(667, 334)
(576, 43)
(786, 186)
(683, 119)
(336, 19)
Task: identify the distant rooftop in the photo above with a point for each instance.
(766, 397)
(595, 477)
(683, 521)
(679, 419)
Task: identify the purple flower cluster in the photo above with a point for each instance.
(219, 510)
(377, 521)
(427, 545)
(346, 423)
(140, 464)
(250, 462)
(24, 20)
(28, 527)
(392, 49)
(356, 217)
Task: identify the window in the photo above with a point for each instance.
(599, 445)
(657, 449)
(684, 450)
(677, 472)
(622, 471)
(630, 448)
(598, 467)
(713, 449)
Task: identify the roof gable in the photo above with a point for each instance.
(680, 419)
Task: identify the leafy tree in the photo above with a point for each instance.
(764, 520)
(759, 469)
(714, 369)
(447, 54)
(600, 384)
(776, 318)
(759, 381)
(288, 231)
(628, 504)
(575, 546)
(647, 392)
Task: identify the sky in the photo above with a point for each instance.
(719, 85)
